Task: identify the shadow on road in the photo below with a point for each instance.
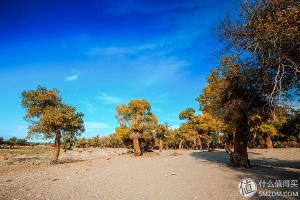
(267, 169)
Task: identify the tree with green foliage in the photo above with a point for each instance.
(21, 142)
(291, 128)
(137, 116)
(49, 116)
(68, 141)
(1, 140)
(12, 141)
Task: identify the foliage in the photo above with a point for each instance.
(291, 128)
(1, 140)
(49, 116)
(68, 141)
(137, 117)
(267, 36)
(201, 129)
(235, 95)
(81, 143)
(123, 135)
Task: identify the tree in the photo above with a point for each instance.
(137, 117)
(160, 133)
(266, 35)
(191, 124)
(291, 128)
(68, 140)
(1, 140)
(234, 95)
(81, 143)
(184, 135)
(49, 116)
(21, 142)
(201, 128)
(123, 135)
(259, 69)
(114, 141)
(267, 131)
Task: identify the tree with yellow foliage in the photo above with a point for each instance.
(161, 132)
(235, 94)
(49, 116)
(137, 116)
(266, 35)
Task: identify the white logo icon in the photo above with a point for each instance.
(247, 187)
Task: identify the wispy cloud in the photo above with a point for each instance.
(156, 69)
(120, 51)
(71, 78)
(95, 128)
(95, 125)
(108, 99)
(89, 106)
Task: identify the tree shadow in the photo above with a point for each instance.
(220, 156)
(265, 169)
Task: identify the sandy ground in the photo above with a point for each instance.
(172, 174)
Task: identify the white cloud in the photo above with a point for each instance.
(108, 99)
(120, 51)
(96, 128)
(95, 125)
(71, 78)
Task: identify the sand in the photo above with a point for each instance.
(171, 174)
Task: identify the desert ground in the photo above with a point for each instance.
(171, 174)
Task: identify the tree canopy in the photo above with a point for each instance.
(258, 69)
(137, 116)
(49, 116)
(266, 35)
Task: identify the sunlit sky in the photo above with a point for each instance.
(102, 53)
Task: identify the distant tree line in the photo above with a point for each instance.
(201, 132)
(15, 142)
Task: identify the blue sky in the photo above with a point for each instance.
(102, 53)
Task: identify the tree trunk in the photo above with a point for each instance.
(200, 142)
(239, 157)
(230, 140)
(180, 144)
(268, 142)
(160, 145)
(136, 144)
(195, 143)
(56, 148)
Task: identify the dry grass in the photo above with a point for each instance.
(26, 155)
